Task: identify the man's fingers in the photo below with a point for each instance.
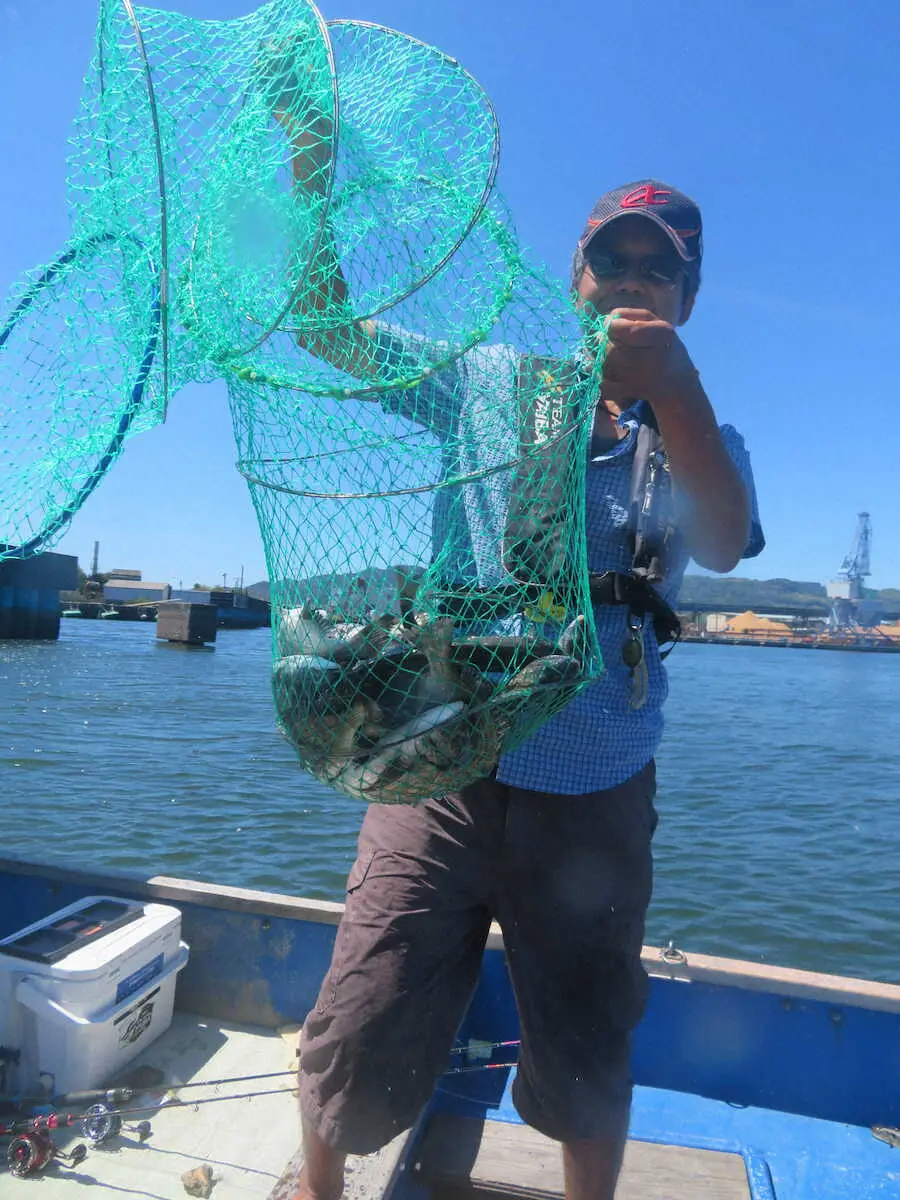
(641, 334)
(623, 358)
(633, 314)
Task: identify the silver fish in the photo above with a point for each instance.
(302, 631)
(443, 682)
(416, 673)
(309, 699)
(561, 671)
(394, 727)
(365, 640)
(541, 686)
(409, 764)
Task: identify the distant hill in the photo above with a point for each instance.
(707, 591)
(730, 592)
(374, 586)
(770, 595)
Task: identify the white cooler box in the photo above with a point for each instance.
(86, 989)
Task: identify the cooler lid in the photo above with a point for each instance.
(67, 931)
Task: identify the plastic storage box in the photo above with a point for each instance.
(85, 990)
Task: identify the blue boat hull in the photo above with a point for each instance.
(786, 1068)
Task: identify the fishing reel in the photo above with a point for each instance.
(100, 1123)
(29, 1153)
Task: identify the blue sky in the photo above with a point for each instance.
(779, 119)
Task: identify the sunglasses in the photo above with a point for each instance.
(660, 269)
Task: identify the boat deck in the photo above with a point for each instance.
(251, 1145)
(461, 1156)
(801, 1066)
(681, 1147)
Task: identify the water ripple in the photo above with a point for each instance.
(779, 786)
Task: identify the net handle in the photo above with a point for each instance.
(163, 297)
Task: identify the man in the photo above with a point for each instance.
(555, 846)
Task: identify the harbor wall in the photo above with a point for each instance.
(29, 594)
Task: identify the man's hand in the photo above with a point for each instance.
(645, 360)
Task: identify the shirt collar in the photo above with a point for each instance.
(637, 414)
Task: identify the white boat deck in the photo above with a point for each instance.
(251, 1145)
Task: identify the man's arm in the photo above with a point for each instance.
(369, 352)
(646, 359)
(351, 345)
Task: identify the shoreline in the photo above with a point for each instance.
(792, 644)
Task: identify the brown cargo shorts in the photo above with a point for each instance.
(569, 880)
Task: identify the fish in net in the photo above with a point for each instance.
(415, 437)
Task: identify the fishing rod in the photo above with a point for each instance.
(100, 1121)
(476, 1047)
(114, 1102)
(63, 1120)
(123, 1095)
(113, 1097)
(32, 1146)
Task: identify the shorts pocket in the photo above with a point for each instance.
(343, 942)
(359, 871)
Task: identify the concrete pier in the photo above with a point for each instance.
(189, 624)
(29, 594)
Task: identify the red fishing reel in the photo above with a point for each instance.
(30, 1152)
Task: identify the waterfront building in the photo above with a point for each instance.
(132, 591)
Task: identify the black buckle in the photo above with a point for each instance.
(636, 594)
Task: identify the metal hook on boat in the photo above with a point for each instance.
(671, 954)
(888, 1134)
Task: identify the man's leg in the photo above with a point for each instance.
(576, 877)
(322, 1176)
(591, 1165)
(405, 963)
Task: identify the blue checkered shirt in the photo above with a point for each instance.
(599, 739)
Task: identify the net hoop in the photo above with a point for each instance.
(229, 359)
(163, 296)
(51, 274)
(280, 379)
(243, 466)
(275, 324)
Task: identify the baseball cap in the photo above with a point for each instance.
(672, 211)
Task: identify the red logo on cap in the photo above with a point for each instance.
(644, 196)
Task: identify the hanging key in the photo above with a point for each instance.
(633, 652)
(633, 657)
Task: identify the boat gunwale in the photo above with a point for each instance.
(680, 967)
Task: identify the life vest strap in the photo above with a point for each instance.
(640, 597)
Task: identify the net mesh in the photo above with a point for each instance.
(309, 210)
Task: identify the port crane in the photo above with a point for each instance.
(849, 608)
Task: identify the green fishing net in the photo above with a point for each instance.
(78, 344)
(308, 210)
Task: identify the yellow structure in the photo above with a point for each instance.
(749, 625)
